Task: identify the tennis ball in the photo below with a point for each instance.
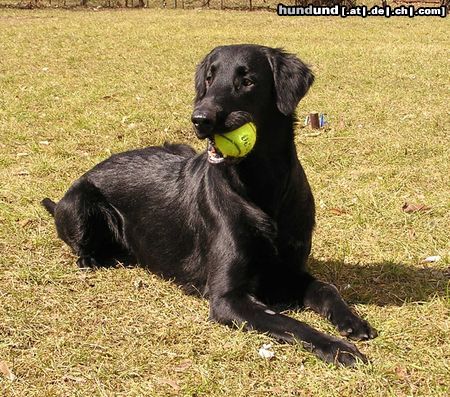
(237, 143)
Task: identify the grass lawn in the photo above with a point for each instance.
(77, 86)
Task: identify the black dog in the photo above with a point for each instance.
(237, 231)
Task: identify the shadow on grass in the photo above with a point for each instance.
(383, 284)
(380, 284)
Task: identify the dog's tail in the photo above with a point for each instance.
(49, 205)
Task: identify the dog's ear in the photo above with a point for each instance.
(292, 79)
(200, 75)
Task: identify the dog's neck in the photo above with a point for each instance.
(276, 136)
(266, 171)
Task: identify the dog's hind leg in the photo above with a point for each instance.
(90, 225)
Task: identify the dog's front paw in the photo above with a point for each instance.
(87, 262)
(339, 352)
(355, 328)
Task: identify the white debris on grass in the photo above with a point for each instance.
(266, 351)
(433, 258)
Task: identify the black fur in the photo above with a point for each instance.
(238, 232)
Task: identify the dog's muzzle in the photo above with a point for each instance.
(204, 123)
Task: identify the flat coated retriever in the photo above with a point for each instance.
(237, 231)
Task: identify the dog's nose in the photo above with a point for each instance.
(204, 122)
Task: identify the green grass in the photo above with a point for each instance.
(77, 86)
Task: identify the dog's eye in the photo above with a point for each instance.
(208, 80)
(247, 82)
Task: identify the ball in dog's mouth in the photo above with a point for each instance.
(232, 145)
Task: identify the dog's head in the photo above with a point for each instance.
(240, 83)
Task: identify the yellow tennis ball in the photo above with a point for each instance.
(237, 143)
